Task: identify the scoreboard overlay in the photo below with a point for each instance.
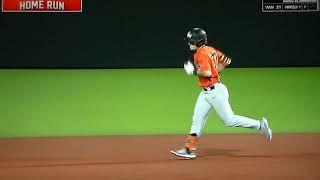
(290, 5)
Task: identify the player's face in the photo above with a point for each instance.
(192, 47)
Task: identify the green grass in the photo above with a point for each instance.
(150, 101)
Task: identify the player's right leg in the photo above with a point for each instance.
(200, 116)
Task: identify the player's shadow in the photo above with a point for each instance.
(235, 153)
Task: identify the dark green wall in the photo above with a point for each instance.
(136, 34)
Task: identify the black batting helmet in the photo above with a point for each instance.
(197, 37)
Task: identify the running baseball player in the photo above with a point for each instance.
(208, 63)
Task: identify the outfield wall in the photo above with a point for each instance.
(150, 34)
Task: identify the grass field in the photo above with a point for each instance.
(150, 101)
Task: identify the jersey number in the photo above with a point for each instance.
(213, 56)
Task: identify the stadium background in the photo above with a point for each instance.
(116, 68)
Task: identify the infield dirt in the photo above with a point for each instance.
(234, 156)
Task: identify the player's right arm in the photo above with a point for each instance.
(223, 60)
(220, 67)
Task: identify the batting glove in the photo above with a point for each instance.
(189, 68)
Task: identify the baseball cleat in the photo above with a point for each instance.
(265, 129)
(185, 153)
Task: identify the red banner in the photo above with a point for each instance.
(41, 5)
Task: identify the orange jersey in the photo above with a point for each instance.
(206, 59)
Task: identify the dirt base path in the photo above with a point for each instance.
(237, 156)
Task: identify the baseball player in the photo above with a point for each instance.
(208, 63)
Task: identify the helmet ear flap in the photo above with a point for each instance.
(202, 42)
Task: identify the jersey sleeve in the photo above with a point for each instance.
(202, 62)
(223, 59)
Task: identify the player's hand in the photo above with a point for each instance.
(225, 60)
(228, 61)
(189, 68)
(220, 67)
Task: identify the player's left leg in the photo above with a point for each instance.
(222, 106)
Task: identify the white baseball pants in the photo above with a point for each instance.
(218, 99)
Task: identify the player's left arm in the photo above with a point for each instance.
(203, 73)
(203, 65)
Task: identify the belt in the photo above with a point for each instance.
(211, 87)
(208, 88)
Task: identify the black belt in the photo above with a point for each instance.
(208, 88)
